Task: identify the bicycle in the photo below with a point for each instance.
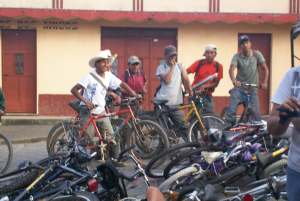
(248, 115)
(6, 151)
(197, 123)
(54, 180)
(149, 137)
(271, 189)
(108, 177)
(215, 162)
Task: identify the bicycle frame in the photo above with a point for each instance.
(192, 112)
(92, 120)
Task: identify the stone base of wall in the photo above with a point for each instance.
(55, 105)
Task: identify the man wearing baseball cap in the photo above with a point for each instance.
(204, 68)
(247, 62)
(135, 79)
(171, 74)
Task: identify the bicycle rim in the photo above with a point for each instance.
(6, 151)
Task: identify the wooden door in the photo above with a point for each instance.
(145, 43)
(19, 70)
(262, 43)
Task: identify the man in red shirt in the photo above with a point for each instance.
(204, 68)
(134, 78)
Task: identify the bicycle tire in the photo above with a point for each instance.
(168, 170)
(5, 146)
(79, 196)
(65, 139)
(228, 175)
(52, 133)
(194, 128)
(19, 182)
(223, 113)
(168, 153)
(151, 133)
(167, 183)
(266, 173)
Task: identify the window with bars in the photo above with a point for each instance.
(19, 65)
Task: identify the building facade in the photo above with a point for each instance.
(46, 45)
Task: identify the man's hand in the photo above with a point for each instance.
(90, 105)
(115, 96)
(191, 93)
(144, 89)
(264, 86)
(237, 84)
(291, 105)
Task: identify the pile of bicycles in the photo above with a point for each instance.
(220, 158)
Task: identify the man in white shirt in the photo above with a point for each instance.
(94, 94)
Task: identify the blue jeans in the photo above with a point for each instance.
(237, 96)
(293, 185)
(176, 117)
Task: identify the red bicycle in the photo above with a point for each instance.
(149, 137)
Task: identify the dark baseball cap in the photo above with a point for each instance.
(170, 50)
(243, 38)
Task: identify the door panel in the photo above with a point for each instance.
(19, 70)
(148, 49)
(262, 43)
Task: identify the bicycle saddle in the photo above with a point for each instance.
(159, 102)
(209, 157)
(277, 186)
(230, 135)
(263, 159)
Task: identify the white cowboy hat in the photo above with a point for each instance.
(111, 59)
(104, 54)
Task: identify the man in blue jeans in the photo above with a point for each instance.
(170, 75)
(247, 63)
(287, 97)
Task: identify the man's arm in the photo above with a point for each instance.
(266, 75)
(75, 92)
(232, 76)
(167, 77)
(186, 82)
(127, 89)
(188, 71)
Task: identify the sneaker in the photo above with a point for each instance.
(119, 164)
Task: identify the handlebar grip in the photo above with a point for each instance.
(124, 151)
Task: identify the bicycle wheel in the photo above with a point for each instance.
(18, 181)
(6, 151)
(79, 196)
(179, 177)
(122, 134)
(277, 168)
(53, 131)
(224, 178)
(186, 159)
(155, 169)
(223, 113)
(195, 129)
(250, 116)
(150, 139)
(61, 140)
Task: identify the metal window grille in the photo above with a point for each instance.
(19, 58)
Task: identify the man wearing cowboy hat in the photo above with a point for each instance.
(204, 68)
(94, 94)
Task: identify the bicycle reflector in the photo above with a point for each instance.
(248, 197)
(93, 185)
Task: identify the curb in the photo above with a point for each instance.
(32, 121)
(31, 140)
